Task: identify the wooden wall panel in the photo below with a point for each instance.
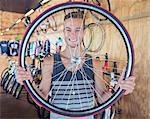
(6, 20)
(136, 105)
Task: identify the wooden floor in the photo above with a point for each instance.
(131, 109)
(11, 108)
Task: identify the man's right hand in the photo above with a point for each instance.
(22, 75)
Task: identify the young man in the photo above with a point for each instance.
(78, 71)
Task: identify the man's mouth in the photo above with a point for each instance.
(72, 40)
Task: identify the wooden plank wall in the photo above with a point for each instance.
(135, 105)
(6, 20)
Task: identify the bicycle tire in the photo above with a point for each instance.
(3, 80)
(37, 98)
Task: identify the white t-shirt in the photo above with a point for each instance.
(13, 48)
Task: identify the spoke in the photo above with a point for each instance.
(70, 53)
(103, 59)
(110, 60)
(92, 69)
(85, 84)
(60, 64)
(64, 75)
(85, 78)
(67, 89)
(56, 49)
(59, 74)
(78, 43)
(91, 85)
(28, 66)
(101, 71)
(59, 86)
(72, 78)
(97, 92)
(96, 54)
(68, 85)
(78, 92)
(98, 76)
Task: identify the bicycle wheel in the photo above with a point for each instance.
(10, 77)
(14, 90)
(11, 84)
(3, 73)
(18, 91)
(4, 77)
(85, 92)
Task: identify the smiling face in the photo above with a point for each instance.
(73, 31)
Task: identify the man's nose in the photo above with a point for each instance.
(73, 35)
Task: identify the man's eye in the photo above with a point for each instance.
(68, 30)
(78, 30)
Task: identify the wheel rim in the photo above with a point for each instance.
(120, 27)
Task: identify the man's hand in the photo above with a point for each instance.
(128, 85)
(22, 74)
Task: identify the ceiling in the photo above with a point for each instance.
(22, 6)
(18, 6)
